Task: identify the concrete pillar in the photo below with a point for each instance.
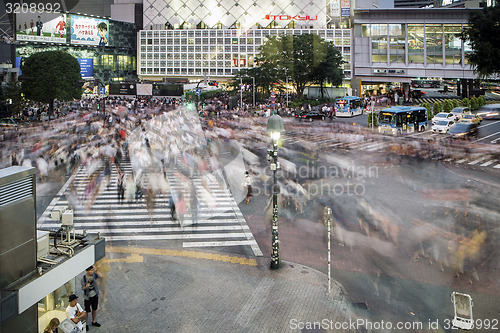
(470, 87)
(459, 89)
(406, 90)
(463, 82)
(356, 86)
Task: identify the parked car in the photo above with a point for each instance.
(442, 116)
(443, 126)
(10, 122)
(463, 130)
(312, 115)
(460, 112)
(471, 118)
(489, 111)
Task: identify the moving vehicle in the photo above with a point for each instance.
(10, 122)
(463, 130)
(312, 115)
(403, 119)
(442, 116)
(471, 118)
(460, 112)
(348, 106)
(489, 111)
(443, 126)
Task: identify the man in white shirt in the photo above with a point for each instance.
(75, 312)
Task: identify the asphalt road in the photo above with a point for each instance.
(378, 264)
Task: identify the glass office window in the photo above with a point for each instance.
(365, 30)
(416, 44)
(379, 42)
(452, 43)
(397, 41)
(434, 46)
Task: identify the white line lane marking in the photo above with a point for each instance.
(214, 244)
(477, 161)
(488, 163)
(497, 133)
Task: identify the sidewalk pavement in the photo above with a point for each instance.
(154, 290)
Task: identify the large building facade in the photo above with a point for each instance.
(216, 38)
(397, 45)
(105, 48)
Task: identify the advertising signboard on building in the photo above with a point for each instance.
(335, 8)
(346, 7)
(86, 67)
(122, 89)
(144, 89)
(41, 27)
(89, 31)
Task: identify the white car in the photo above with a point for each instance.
(443, 126)
(460, 112)
(443, 116)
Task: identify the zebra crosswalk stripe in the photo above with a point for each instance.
(488, 163)
(219, 221)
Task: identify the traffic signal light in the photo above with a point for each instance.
(213, 83)
(98, 106)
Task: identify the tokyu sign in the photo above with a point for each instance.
(288, 17)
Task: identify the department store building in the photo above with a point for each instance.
(216, 38)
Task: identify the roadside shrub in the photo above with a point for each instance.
(474, 103)
(438, 107)
(482, 101)
(429, 109)
(466, 102)
(447, 105)
(373, 117)
(456, 103)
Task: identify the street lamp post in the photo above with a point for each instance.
(287, 91)
(253, 91)
(275, 127)
(241, 93)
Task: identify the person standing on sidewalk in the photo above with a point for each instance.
(91, 292)
(75, 312)
(248, 183)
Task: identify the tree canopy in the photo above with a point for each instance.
(483, 34)
(303, 58)
(51, 75)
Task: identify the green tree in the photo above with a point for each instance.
(51, 75)
(466, 102)
(438, 107)
(482, 101)
(11, 94)
(483, 34)
(428, 108)
(301, 58)
(372, 116)
(474, 103)
(447, 105)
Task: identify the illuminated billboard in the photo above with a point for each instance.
(41, 27)
(89, 31)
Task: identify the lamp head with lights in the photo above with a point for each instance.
(275, 127)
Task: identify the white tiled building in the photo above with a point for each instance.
(190, 39)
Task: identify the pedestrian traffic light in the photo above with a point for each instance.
(98, 106)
